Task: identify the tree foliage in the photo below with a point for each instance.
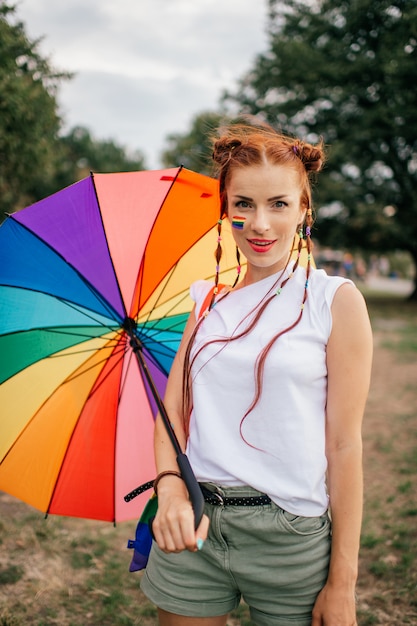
(346, 70)
(80, 153)
(29, 121)
(36, 158)
(193, 149)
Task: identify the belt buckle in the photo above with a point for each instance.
(219, 497)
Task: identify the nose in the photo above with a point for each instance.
(260, 223)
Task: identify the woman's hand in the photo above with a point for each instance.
(173, 526)
(335, 606)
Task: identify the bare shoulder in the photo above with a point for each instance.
(350, 318)
(348, 302)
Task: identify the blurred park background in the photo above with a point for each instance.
(344, 70)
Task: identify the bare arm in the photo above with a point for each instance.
(349, 357)
(174, 523)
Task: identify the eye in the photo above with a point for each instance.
(242, 204)
(280, 204)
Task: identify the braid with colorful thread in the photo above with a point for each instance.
(218, 256)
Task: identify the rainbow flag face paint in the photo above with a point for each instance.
(238, 222)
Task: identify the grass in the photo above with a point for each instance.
(388, 582)
(75, 573)
(10, 574)
(405, 342)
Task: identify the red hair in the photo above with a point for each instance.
(242, 145)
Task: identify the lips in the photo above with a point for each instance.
(261, 245)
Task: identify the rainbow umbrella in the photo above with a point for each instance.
(94, 297)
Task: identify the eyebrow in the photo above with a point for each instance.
(247, 198)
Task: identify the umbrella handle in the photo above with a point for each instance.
(196, 495)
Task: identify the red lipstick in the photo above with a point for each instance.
(261, 245)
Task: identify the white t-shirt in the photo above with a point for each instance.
(279, 448)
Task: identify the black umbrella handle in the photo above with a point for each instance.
(196, 495)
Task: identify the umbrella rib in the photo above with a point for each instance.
(151, 325)
(60, 330)
(123, 350)
(154, 350)
(123, 382)
(92, 351)
(167, 342)
(184, 297)
(79, 308)
(170, 274)
(154, 338)
(91, 367)
(140, 270)
(153, 329)
(152, 359)
(75, 427)
(83, 310)
(107, 243)
(107, 306)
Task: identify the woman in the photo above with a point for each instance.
(267, 394)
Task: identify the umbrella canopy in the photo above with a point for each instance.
(79, 271)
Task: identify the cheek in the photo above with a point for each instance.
(290, 226)
(296, 221)
(237, 222)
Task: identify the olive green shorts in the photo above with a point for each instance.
(277, 562)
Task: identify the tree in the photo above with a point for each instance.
(347, 70)
(35, 159)
(29, 121)
(193, 149)
(79, 153)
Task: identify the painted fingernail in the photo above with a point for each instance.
(200, 544)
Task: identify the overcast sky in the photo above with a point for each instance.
(145, 68)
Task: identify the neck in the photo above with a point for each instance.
(253, 275)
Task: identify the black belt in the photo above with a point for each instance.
(217, 499)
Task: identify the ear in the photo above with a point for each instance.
(302, 215)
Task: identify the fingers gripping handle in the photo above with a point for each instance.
(194, 491)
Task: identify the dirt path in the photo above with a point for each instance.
(387, 587)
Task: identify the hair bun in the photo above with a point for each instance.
(223, 148)
(311, 156)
